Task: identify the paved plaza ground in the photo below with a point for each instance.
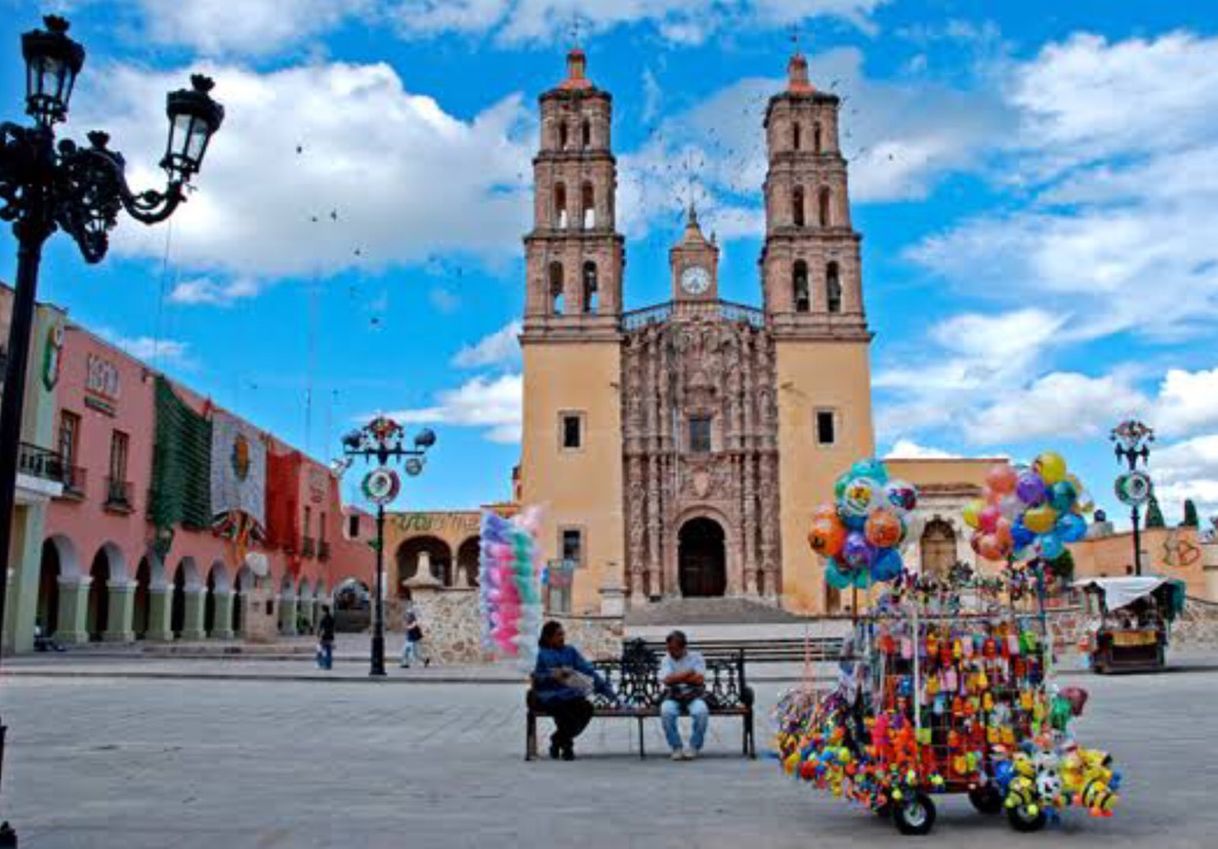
(193, 762)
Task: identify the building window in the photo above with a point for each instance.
(824, 207)
(588, 205)
(321, 528)
(560, 205)
(795, 135)
(69, 436)
(586, 133)
(562, 135)
(700, 434)
(826, 427)
(799, 284)
(797, 205)
(591, 300)
(353, 526)
(119, 443)
(572, 431)
(308, 521)
(573, 545)
(816, 138)
(562, 571)
(833, 287)
(556, 288)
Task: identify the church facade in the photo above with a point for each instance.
(678, 450)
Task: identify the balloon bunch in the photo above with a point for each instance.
(509, 587)
(860, 533)
(1029, 511)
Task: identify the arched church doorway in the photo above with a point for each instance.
(938, 548)
(701, 558)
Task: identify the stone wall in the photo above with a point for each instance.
(452, 628)
(1197, 627)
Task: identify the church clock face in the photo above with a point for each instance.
(695, 280)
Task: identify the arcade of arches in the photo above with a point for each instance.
(102, 604)
(446, 541)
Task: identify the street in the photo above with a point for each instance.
(249, 763)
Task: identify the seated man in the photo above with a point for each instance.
(683, 674)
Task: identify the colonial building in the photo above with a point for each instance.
(677, 450)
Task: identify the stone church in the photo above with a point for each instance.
(678, 450)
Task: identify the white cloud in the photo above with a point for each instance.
(401, 176)
(502, 346)
(443, 300)
(490, 404)
(266, 26)
(1187, 403)
(148, 348)
(1188, 469)
(204, 290)
(907, 449)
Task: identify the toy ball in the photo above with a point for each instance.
(858, 496)
(1051, 467)
(1030, 489)
(883, 528)
(900, 496)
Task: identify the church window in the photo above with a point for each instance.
(556, 288)
(700, 434)
(562, 135)
(826, 427)
(816, 139)
(796, 131)
(797, 205)
(591, 297)
(824, 207)
(588, 204)
(560, 205)
(799, 282)
(586, 133)
(572, 431)
(833, 287)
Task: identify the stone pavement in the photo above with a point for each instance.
(279, 763)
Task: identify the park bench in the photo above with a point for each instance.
(635, 680)
(770, 650)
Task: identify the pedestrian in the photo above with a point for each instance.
(325, 639)
(562, 682)
(412, 648)
(683, 674)
(41, 641)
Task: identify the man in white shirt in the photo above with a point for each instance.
(683, 674)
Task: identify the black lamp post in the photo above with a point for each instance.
(45, 186)
(1132, 439)
(384, 439)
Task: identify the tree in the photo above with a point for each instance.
(1063, 567)
(1190, 515)
(1154, 516)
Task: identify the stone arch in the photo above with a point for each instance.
(591, 288)
(585, 133)
(108, 566)
(217, 584)
(587, 205)
(702, 557)
(141, 606)
(185, 579)
(823, 207)
(50, 569)
(797, 206)
(439, 552)
(242, 584)
(938, 547)
(557, 288)
(796, 136)
(560, 205)
(469, 553)
(563, 133)
(65, 550)
(816, 138)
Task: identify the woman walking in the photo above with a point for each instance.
(412, 648)
(562, 682)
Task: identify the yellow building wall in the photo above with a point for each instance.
(1170, 552)
(814, 375)
(581, 488)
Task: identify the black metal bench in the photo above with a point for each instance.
(635, 681)
(776, 650)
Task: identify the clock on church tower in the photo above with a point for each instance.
(695, 264)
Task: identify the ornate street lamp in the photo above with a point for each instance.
(47, 186)
(384, 439)
(1132, 440)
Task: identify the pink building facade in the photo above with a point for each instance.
(101, 574)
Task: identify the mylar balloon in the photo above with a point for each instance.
(1001, 478)
(827, 535)
(857, 553)
(857, 500)
(1051, 466)
(883, 528)
(1030, 489)
(900, 496)
(972, 513)
(1062, 495)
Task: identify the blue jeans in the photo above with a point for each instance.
(410, 651)
(325, 660)
(670, 711)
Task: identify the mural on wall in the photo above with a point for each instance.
(238, 482)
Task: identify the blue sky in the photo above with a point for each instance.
(1035, 183)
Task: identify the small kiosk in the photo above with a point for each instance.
(1135, 616)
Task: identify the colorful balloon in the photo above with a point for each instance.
(1051, 546)
(858, 498)
(972, 513)
(873, 469)
(1062, 496)
(887, 566)
(1071, 527)
(1040, 520)
(900, 496)
(883, 528)
(1030, 489)
(834, 576)
(987, 520)
(827, 535)
(1051, 466)
(857, 553)
(1001, 478)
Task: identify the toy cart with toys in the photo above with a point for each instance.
(935, 699)
(1135, 615)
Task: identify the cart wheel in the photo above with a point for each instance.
(1022, 819)
(915, 816)
(986, 799)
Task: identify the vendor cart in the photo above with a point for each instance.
(1135, 615)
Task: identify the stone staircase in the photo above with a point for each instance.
(708, 611)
